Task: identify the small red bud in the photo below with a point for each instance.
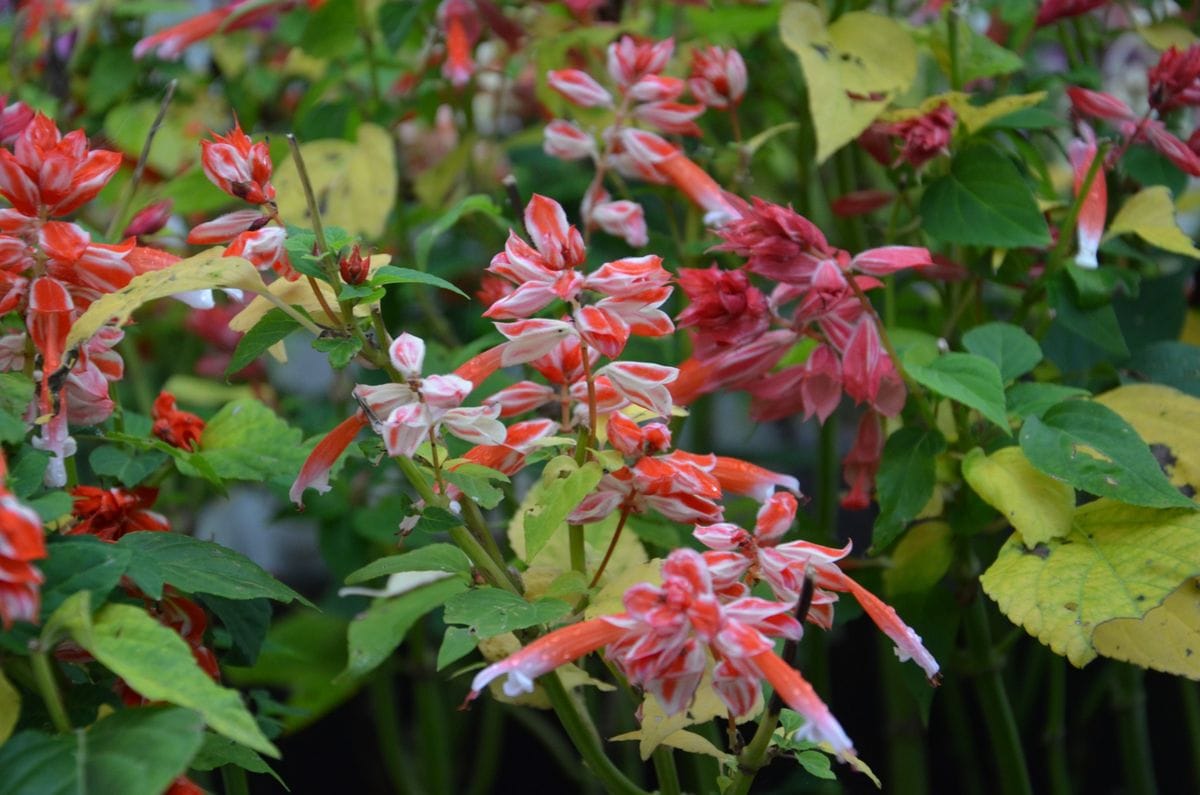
(354, 267)
(149, 219)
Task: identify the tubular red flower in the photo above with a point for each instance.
(315, 472)
(21, 542)
(1094, 207)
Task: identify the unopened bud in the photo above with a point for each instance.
(354, 267)
(149, 219)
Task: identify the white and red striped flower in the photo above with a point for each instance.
(21, 542)
(1094, 206)
(564, 140)
(579, 88)
(50, 174)
(238, 166)
(718, 77)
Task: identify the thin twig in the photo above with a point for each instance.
(114, 223)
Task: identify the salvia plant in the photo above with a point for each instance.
(472, 395)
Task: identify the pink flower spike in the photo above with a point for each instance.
(408, 355)
(603, 330)
(1094, 207)
(406, 429)
(1099, 105)
(629, 60)
(798, 694)
(624, 219)
(718, 77)
(545, 654)
(579, 88)
(531, 339)
(521, 397)
(775, 517)
(315, 472)
(889, 259)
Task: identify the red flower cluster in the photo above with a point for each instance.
(110, 514)
(21, 543)
(1175, 80)
(177, 428)
(921, 138)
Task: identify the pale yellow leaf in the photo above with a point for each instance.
(1169, 421)
(354, 182)
(657, 725)
(683, 740)
(1036, 505)
(208, 269)
(1150, 215)
(300, 293)
(973, 117)
(863, 54)
(1165, 35)
(1166, 639)
(922, 557)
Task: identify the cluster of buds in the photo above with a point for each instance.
(645, 95)
(920, 138)
(242, 169)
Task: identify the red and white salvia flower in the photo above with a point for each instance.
(238, 166)
(177, 428)
(21, 542)
(1134, 128)
(622, 218)
(739, 559)
(1094, 206)
(718, 77)
(110, 514)
(725, 309)
(50, 174)
(921, 138)
(14, 118)
(579, 88)
(639, 153)
(667, 636)
(170, 43)
(565, 141)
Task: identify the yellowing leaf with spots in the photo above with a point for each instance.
(852, 69)
(206, 270)
(1165, 639)
(1036, 505)
(1169, 421)
(1150, 214)
(1118, 561)
(354, 182)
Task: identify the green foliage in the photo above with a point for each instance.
(245, 440)
(492, 611)
(1010, 348)
(390, 274)
(376, 633)
(905, 480)
(129, 468)
(564, 483)
(217, 751)
(970, 379)
(273, 328)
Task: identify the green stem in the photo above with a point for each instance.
(387, 729)
(664, 768)
(1129, 702)
(433, 745)
(828, 479)
(612, 545)
(485, 758)
(585, 739)
(997, 711)
(122, 210)
(952, 45)
(43, 674)
(753, 756)
(1056, 730)
(966, 758)
(907, 765)
(233, 780)
(364, 32)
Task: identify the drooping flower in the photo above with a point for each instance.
(862, 462)
(177, 428)
(1094, 206)
(725, 309)
(665, 639)
(921, 137)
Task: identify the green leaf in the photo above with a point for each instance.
(1012, 350)
(340, 350)
(564, 484)
(129, 469)
(10, 707)
(247, 441)
(156, 662)
(436, 520)
(475, 481)
(971, 380)
(492, 611)
(81, 563)
(217, 751)
(1175, 364)
(390, 274)
(246, 621)
(53, 506)
(920, 559)
(120, 74)
(978, 56)
(435, 557)
(196, 566)
(1036, 505)
(274, 327)
(477, 203)
(332, 30)
(25, 475)
(983, 201)
(131, 752)
(1119, 561)
(1030, 398)
(375, 633)
(905, 481)
(1091, 447)
(363, 293)
(16, 392)
(457, 643)
(1097, 325)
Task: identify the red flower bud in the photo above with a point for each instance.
(354, 267)
(149, 219)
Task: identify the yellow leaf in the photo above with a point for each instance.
(299, 293)
(973, 117)
(1165, 639)
(921, 558)
(608, 601)
(205, 270)
(1165, 35)
(1150, 215)
(1169, 421)
(1118, 561)
(1191, 328)
(658, 726)
(863, 54)
(354, 182)
(10, 708)
(1036, 505)
(683, 740)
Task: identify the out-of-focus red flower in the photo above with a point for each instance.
(861, 202)
(725, 309)
(109, 514)
(184, 786)
(169, 43)
(21, 543)
(1174, 81)
(862, 462)
(1094, 207)
(1051, 11)
(922, 138)
(13, 119)
(177, 428)
(149, 219)
(460, 25)
(238, 166)
(50, 174)
(718, 77)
